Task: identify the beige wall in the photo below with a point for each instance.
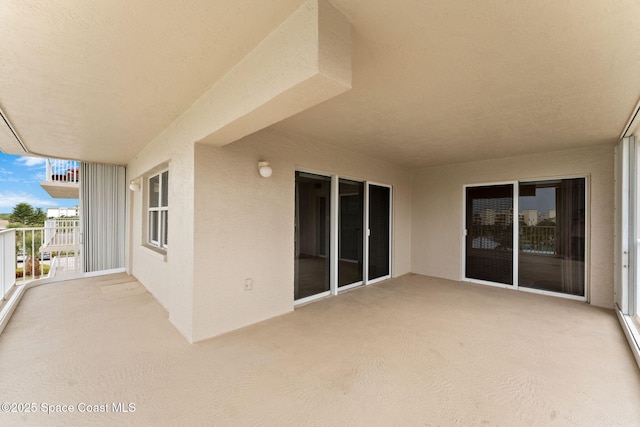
(228, 224)
(169, 278)
(244, 224)
(437, 209)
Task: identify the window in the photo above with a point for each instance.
(159, 209)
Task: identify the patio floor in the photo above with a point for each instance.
(410, 351)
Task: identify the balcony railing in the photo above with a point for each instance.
(532, 239)
(7, 262)
(44, 252)
(63, 171)
(61, 232)
(538, 239)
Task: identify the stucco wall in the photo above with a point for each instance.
(244, 224)
(437, 209)
(168, 278)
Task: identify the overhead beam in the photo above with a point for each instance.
(306, 60)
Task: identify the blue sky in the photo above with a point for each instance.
(20, 179)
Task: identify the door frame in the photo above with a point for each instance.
(334, 289)
(367, 281)
(516, 231)
(305, 300)
(365, 202)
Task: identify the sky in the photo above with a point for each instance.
(544, 200)
(20, 178)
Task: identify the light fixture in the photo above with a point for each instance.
(134, 185)
(265, 169)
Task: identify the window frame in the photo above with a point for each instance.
(161, 211)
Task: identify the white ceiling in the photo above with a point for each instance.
(434, 82)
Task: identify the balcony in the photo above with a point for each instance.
(62, 179)
(50, 253)
(415, 350)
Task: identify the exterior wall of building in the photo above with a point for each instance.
(244, 224)
(61, 212)
(168, 277)
(438, 198)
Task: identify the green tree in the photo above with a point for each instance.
(22, 213)
(39, 217)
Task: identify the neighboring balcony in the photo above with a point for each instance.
(62, 179)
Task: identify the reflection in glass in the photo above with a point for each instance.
(154, 191)
(551, 248)
(165, 189)
(351, 229)
(312, 230)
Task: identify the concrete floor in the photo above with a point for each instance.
(412, 351)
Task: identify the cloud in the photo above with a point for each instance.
(30, 161)
(8, 200)
(10, 179)
(36, 177)
(5, 172)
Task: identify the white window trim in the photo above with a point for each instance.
(162, 237)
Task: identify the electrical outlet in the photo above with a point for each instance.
(248, 284)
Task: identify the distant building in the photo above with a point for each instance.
(504, 217)
(488, 217)
(62, 212)
(530, 216)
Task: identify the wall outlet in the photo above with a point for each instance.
(248, 284)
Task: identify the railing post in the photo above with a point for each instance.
(7, 261)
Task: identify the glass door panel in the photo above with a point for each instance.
(551, 240)
(312, 234)
(379, 232)
(350, 232)
(489, 233)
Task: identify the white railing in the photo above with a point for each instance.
(66, 171)
(46, 251)
(7, 262)
(61, 232)
(538, 239)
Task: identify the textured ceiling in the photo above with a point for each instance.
(433, 82)
(99, 79)
(444, 81)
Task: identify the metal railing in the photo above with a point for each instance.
(46, 251)
(7, 262)
(66, 171)
(61, 231)
(538, 239)
(532, 239)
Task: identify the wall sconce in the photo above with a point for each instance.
(265, 169)
(134, 185)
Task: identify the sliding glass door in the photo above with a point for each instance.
(379, 231)
(312, 235)
(551, 248)
(351, 232)
(548, 219)
(342, 234)
(489, 233)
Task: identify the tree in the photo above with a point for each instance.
(39, 217)
(22, 213)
